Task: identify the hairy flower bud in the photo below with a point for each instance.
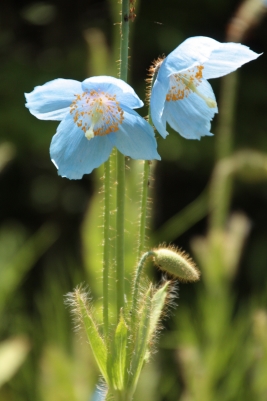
(176, 263)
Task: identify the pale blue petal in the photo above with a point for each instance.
(135, 137)
(51, 101)
(114, 86)
(227, 58)
(190, 117)
(217, 58)
(193, 51)
(73, 154)
(205, 89)
(157, 103)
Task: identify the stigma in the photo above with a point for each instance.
(181, 85)
(97, 113)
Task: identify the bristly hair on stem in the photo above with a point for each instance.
(146, 180)
(152, 74)
(132, 14)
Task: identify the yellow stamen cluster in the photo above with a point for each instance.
(182, 84)
(185, 83)
(96, 113)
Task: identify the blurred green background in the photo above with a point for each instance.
(209, 197)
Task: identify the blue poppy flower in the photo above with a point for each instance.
(181, 95)
(95, 116)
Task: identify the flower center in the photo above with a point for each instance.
(96, 113)
(181, 85)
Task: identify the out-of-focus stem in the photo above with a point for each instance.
(224, 148)
(248, 15)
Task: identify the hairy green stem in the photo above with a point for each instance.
(120, 166)
(137, 279)
(143, 211)
(120, 231)
(145, 187)
(124, 39)
(106, 252)
(144, 197)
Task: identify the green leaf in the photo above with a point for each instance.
(158, 302)
(117, 360)
(141, 340)
(96, 342)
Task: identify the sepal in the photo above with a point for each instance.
(158, 303)
(117, 355)
(79, 303)
(141, 340)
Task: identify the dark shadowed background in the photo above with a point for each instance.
(41, 41)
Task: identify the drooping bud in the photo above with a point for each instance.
(177, 263)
